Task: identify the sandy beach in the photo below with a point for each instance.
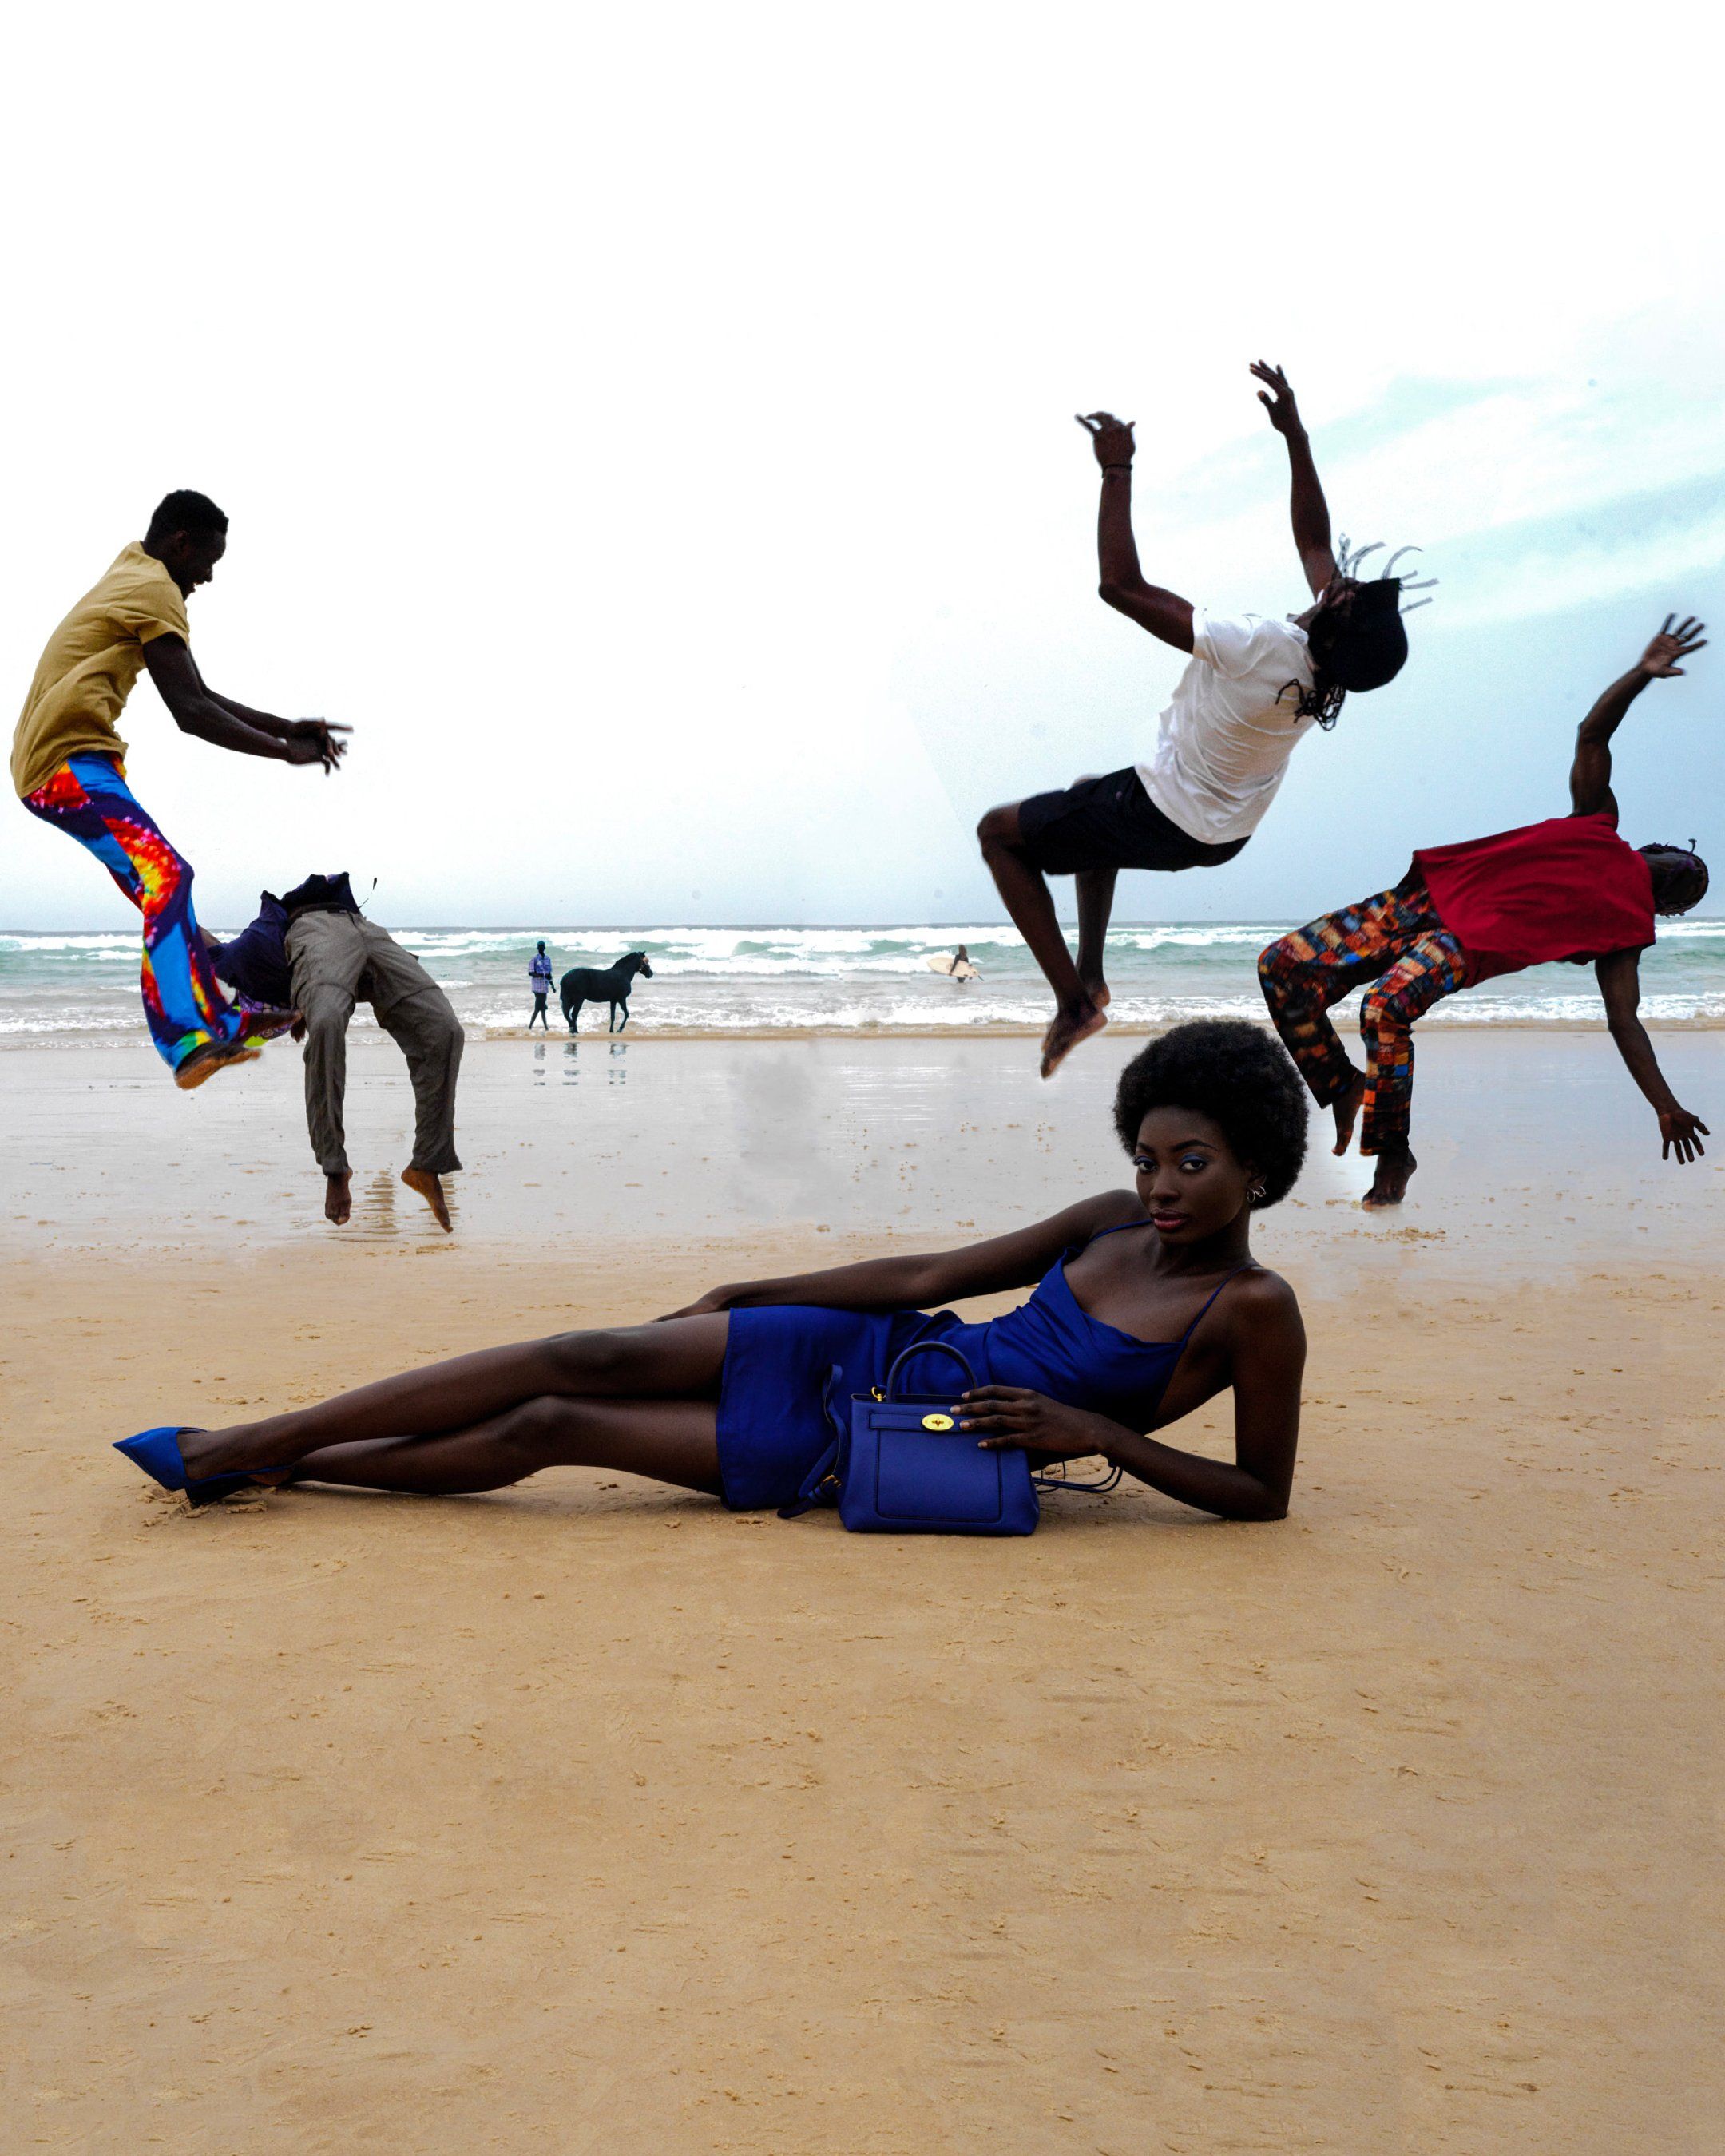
(695, 564)
(587, 1817)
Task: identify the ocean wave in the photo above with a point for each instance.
(110, 942)
(1692, 931)
(53, 1022)
(768, 1014)
(851, 979)
(736, 951)
(764, 1014)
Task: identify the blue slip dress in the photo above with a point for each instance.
(772, 1424)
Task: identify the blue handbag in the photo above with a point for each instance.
(900, 1465)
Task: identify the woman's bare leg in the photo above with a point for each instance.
(665, 1440)
(681, 1359)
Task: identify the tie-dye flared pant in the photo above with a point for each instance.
(88, 799)
(1395, 940)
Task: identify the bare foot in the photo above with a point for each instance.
(213, 1056)
(1098, 992)
(1347, 1112)
(1070, 1026)
(1389, 1185)
(432, 1191)
(338, 1198)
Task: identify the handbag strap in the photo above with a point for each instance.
(928, 1348)
(820, 1485)
(1052, 1478)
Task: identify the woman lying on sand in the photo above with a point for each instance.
(1147, 1303)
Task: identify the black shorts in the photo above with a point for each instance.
(1109, 823)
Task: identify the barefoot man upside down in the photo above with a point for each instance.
(1567, 889)
(1254, 689)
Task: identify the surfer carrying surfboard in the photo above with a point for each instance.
(957, 967)
(1254, 689)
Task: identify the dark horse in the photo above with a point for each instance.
(610, 984)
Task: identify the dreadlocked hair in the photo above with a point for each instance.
(1362, 649)
(1322, 701)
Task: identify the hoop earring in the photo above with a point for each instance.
(1255, 1194)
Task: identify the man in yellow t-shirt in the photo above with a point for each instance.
(68, 766)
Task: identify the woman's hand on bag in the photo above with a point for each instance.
(1015, 1420)
(716, 1298)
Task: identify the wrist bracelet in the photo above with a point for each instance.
(1125, 466)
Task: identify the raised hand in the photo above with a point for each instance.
(1678, 1128)
(1659, 661)
(1111, 439)
(1277, 399)
(319, 736)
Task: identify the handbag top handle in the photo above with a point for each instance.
(928, 1348)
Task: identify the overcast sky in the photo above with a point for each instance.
(651, 429)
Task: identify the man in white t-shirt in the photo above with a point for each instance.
(1254, 689)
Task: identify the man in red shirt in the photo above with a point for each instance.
(1567, 889)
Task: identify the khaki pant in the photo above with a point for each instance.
(339, 959)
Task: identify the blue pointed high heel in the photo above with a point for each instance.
(158, 1452)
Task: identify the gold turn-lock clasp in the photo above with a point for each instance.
(937, 1422)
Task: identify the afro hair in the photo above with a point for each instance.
(1236, 1074)
(185, 511)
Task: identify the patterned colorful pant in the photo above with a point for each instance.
(1395, 940)
(88, 798)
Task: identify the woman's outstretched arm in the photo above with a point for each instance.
(1266, 1361)
(912, 1283)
